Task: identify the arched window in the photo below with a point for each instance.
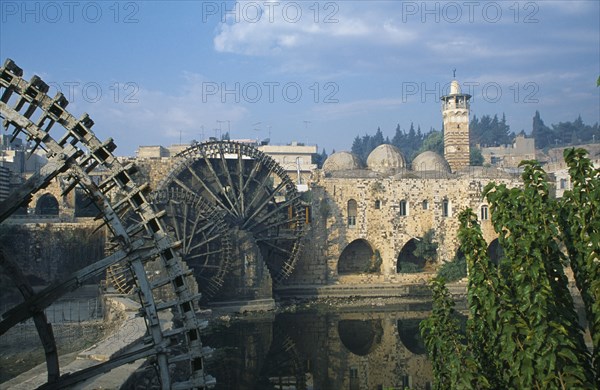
(377, 204)
(484, 212)
(446, 208)
(46, 205)
(425, 204)
(352, 213)
(403, 208)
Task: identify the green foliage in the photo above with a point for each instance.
(490, 131)
(426, 247)
(405, 267)
(361, 147)
(452, 363)
(319, 159)
(374, 265)
(433, 142)
(523, 331)
(475, 157)
(562, 133)
(453, 270)
(580, 223)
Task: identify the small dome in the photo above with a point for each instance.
(430, 161)
(341, 161)
(454, 88)
(385, 158)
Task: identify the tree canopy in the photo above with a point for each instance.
(523, 331)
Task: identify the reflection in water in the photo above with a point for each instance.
(345, 350)
(410, 335)
(360, 337)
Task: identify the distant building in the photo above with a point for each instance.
(154, 151)
(17, 156)
(4, 182)
(295, 158)
(510, 156)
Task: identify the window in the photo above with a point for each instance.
(563, 184)
(377, 204)
(352, 212)
(425, 204)
(446, 208)
(403, 208)
(484, 212)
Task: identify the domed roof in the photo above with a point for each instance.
(430, 161)
(341, 161)
(385, 158)
(454, 88)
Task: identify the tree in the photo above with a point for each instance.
(475, 157)
(523, 331)
(426, 247)
(319, 159)
(433, 142)
(580, 223)
(453, 367)
(540, 132)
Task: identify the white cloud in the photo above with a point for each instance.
(274, 34)
(162, 118)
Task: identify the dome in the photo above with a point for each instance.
(430, 161)
(385, 158)
(454, 88)
(341, 161)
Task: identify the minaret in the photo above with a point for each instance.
(455, 114)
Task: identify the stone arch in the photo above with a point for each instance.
(47, 205)
(407, 261)
(360, 337)
(84, 205)
(495, 251)
(356, 257)
(410, 335)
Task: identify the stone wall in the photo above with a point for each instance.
(49, 251)
(380, 222)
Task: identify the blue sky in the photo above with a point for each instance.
(320, 72)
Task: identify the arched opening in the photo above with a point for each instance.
(357, 257)
(360, 337)
(410, 335)
(46, 205)
(495, 252)
(408, 262)
(484, 213)
(352, 213)
(84, 205)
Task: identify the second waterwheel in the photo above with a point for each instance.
(253, 211)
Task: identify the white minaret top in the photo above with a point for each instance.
(455, 88)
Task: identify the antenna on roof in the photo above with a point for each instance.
(454, 73)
